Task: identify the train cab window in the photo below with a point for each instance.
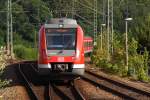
(61, 39)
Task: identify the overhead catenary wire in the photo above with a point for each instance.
(73, 7)
(87, 21)
(89, 7)
(88, 3)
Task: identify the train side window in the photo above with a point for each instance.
(90, 44)
(84, 44)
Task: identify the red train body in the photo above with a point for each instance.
(88, 44)
(62, 46)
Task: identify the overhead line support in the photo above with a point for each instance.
(95, 22)
(108, 26)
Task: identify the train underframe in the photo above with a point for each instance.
(60, 70)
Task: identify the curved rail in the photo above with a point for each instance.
(55, 91)
(31, 93)
(115, 87)
(120, 84)
(59, 93)
(107, 88)
(76, 91)
(51, 90)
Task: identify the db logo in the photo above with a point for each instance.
(61, 59)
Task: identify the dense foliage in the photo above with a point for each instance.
(26, 53)
(28, 15)
(138, 63)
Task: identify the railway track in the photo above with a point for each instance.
(70, 91)
(115, 87)
(52, 90)
(64, 92)
(27, 84)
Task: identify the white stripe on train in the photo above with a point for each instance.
(49, 65)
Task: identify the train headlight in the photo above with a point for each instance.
(61, 25)
(77, 53)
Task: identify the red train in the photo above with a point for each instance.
(62, 46)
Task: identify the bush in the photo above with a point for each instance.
(4, 83)
(138, 64)
(26, 53)
(3, 59)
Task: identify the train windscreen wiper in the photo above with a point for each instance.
(66, 46)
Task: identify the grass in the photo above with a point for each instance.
(26, 53)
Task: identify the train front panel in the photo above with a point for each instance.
(61, 48)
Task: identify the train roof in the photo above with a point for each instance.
(61, 23)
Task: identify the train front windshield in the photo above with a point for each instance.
(60, 39)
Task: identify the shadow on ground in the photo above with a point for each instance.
(11, 73)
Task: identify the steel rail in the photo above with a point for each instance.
(51, 89)
(28, 86)
(109, 89)
(60, 93)
(47, 92)
(78, 95)
(147, 93)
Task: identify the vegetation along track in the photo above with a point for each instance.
(116, 87)
(51, 90)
